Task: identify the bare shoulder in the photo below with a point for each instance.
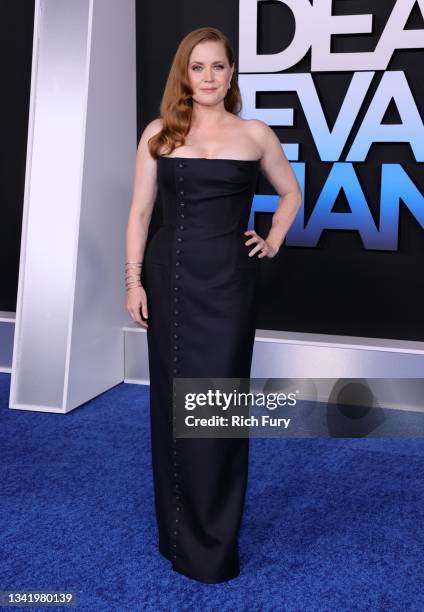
(149, 131)
(152, 128)
(264, 136)
(259, 128)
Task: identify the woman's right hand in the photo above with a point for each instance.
(137, 305)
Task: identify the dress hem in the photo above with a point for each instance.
(206, 579)
(199, 578)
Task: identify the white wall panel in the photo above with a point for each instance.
(68, 343)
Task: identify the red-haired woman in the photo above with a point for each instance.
(200, 272)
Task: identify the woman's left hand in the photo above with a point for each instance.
(266, 250)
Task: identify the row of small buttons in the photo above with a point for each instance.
(176, 358)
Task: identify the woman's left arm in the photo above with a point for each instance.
(277, 169)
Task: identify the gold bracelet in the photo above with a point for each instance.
(132, 283)
(131, 274)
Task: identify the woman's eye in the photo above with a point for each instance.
(220, 66)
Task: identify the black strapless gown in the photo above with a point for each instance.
(201, 290)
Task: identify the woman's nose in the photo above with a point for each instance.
(208, 74)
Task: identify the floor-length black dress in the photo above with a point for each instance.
(201, 288)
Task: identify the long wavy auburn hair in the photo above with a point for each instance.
(176, 106)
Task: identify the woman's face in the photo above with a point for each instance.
(209, 72)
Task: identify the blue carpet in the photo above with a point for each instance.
(329, 524)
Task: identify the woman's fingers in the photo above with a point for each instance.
(254, 236)
(255, 249)
(252, 240)
(262, 245)
(264, 250)
(136, 316)
(137, 308)
(144, 311)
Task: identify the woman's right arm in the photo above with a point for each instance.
(143, 199)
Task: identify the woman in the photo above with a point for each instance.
(200, 276)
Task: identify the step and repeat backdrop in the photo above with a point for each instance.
(341, 84)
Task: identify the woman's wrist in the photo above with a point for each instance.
(132, 274)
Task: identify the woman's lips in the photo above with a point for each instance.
(209, 89)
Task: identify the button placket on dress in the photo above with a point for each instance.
(177, 499)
